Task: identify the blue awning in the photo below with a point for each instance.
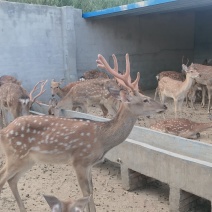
(148, 6)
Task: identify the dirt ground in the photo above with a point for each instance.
(60, 180)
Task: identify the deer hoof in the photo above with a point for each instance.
(198, 135)
(119, 160)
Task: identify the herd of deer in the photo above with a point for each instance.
(83, 143)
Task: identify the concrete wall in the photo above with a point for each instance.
(203, 36)
(37, 42)
(155, 42)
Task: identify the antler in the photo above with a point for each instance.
(125, 79)
(187, 60)
(42, 83)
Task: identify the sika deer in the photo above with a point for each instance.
(48, 139)
(8, 79)
(91, 92)
(61, 92)
(181, 127)
(16, 100)
(171, 74)
(57, 205)
(93, 74)
(177, 89)
(205, 80)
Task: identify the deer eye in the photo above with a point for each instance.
(146, 100)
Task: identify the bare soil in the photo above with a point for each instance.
(60, 180)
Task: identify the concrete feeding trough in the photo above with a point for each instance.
(184, 164)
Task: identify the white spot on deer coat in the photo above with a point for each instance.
(31, 139)
(18, 143)
(36, 148)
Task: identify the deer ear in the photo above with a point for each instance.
(81, 203)
(115, 92)
(125, 96)
(184, 67)
(53, 203)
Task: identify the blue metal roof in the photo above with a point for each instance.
(148, 6)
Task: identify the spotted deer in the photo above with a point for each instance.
(93, 74)
(8, 79)
(180, 76)
(61, 91)
(177, 90)
(171, 74)
(181, 127)
(57, 205)
(90, 92)
(205, 81)
(16, 100)
(80, 142)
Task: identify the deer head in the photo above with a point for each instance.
(15, 98)
(133, 99)
(57, 205)
(55, 86)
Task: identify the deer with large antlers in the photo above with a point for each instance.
(80, 142)
(16, 100)
(181, 127)
(177, 90)
(57, 205)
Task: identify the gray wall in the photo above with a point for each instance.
(154, 42)
(203, 36)
(37, 42)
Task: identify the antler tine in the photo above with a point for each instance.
(135, 83)
(42, 90)
(125, 79)
(102, 63)
(187, 62)
(132, 85)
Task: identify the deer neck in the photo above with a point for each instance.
(186, 85)
(118, 129)
(199, 127)
(61, 93)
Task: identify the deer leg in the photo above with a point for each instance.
(5, 120)
(193, 99)
(104, 110)
(180, 105)
(209, 100)
(13, 186)
(203, 96)
(162, 98)
(85, 182)
(84, 108)
(1, 119)
(187, 97)
(175, 107)
(156, 92)
(11, 172)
